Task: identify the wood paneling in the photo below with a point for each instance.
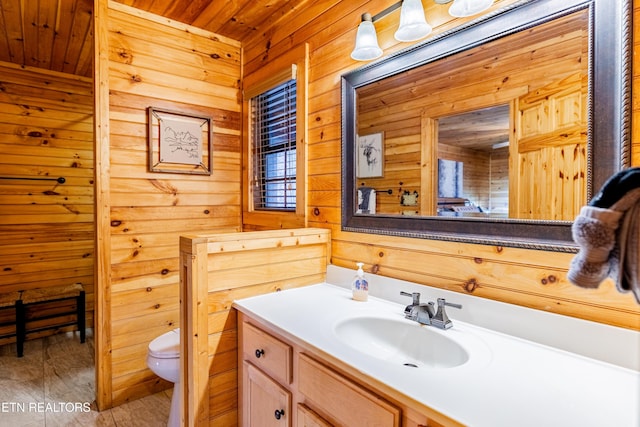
(54, 35)
(46, 228)
(179, 68)
(215, 270)
(530, 278)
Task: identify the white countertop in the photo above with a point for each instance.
(508, 381)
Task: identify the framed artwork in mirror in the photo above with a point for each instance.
(370, 155)
(179, 143)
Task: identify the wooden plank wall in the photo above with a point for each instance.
(531, 278)
(46, 228)
(217, 269)
(499, 192)
(153, 62)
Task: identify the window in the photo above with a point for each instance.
(274, 142)
(273, 118)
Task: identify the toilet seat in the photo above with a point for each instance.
(166, 346)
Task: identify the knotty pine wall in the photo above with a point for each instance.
(46, 228)
(153, 62)
(525, 277)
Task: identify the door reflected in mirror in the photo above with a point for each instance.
(497, 131)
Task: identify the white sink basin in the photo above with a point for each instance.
(401, 342)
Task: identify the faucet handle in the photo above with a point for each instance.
(441, 320)
(442, 301)
(410, 311)
(415, 296)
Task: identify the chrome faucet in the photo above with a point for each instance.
(421, 313)
(425, 313)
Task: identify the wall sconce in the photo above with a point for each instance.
(367, 47)
(413, 24)
(464, 8)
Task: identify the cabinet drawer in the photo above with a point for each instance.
(341, 401)
(308, 418)
(417, 420)
(266, 352)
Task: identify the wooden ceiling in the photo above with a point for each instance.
(51, 34)
(236, 19)
(57, 34)
(484, 129)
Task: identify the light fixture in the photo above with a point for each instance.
(464, 8)
(413, 24)
(366, 41)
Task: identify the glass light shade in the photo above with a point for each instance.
(413, 24)
(366, 42)
(463, 8)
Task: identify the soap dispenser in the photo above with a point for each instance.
(359, 285)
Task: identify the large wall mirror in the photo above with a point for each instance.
(496, 132)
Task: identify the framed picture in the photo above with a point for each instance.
(179, 143)
(370, 155)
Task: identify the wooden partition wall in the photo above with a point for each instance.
(215, 270)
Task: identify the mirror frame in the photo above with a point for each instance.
(609, 130)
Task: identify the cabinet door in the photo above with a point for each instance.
(308, 418)
(265, 402)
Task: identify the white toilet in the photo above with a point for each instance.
(163, 358)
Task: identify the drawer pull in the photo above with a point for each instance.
(279, 413)
(259, 353)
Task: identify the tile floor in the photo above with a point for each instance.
(54, 385)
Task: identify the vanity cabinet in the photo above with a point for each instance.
(286, 384)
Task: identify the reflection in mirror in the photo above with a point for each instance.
(556, 73)
(459, 109)
(473, 163)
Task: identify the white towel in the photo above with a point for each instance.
(366, 201)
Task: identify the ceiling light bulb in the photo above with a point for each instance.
(464, 8)
(367, 47)
(413, 24)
